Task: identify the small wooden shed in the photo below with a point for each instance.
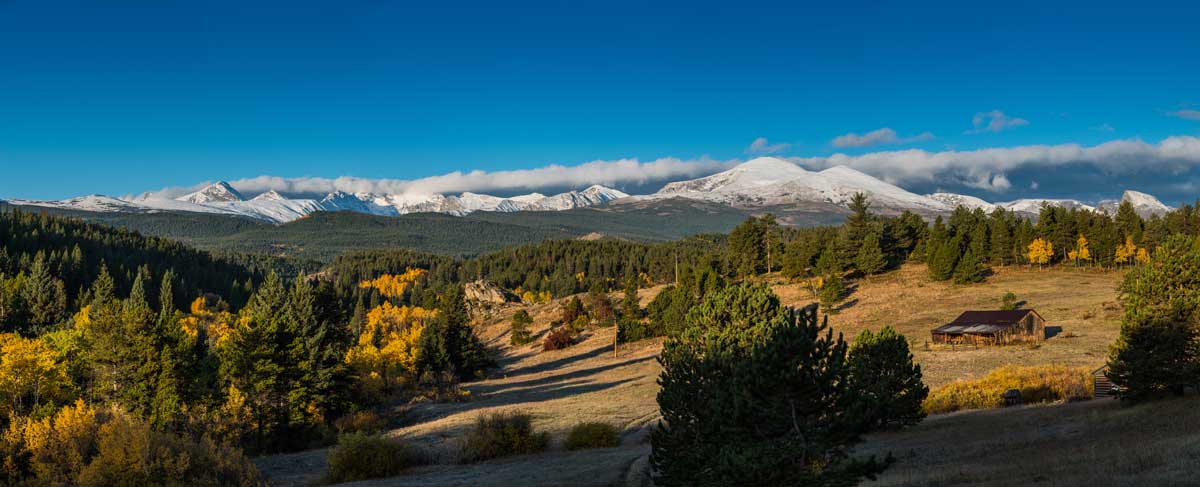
(993, 328)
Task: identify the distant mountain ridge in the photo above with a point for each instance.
(222, 198)
(762, 184)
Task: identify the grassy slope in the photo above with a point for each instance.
(587, 383)
(1092, 443)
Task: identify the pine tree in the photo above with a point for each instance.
(833, 290)
(519, 334)
(968, 269)
(870, 257)
(448, 343)
(630, 305)
(1159, 346)
(749, 388)
(1001, 238)
(944, 259)
(319, 387)
(882, 369)
(747, 248)
(44, 297)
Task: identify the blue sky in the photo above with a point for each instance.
(121, 97)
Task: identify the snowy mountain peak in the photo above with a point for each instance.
(218, 192)
(604, 191)
(1141, 200)
(269, 196)
(953, 200)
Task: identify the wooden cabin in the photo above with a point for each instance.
(992, 328)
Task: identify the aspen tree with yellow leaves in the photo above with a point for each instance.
(386, 351)
(1125, 252)
(1040, 252)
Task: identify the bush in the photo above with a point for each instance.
(360, 422)
(592, 435)
(359, 456)
(502, 434)
(557, 340)
(634, 330)
(1038, 384)
(1008, 302)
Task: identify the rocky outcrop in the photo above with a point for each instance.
(487, 293)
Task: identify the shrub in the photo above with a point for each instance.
(359, 456)
(592, 435)
(633, 330)
(1038, 384)
(558, 340)
(1008, 302)
(502, 434)
(360, 422)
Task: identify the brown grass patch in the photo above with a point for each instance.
(1038, 384)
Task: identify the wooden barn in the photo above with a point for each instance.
(993, 328)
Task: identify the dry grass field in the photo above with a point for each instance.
(588, 383)
(1080, 308)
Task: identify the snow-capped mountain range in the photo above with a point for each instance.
(759, 183)
(273, 207)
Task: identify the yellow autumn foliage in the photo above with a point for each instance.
(394, 285)
(1040, 251)
(31, 372)
(386, 350)
(1125, 251)
(1143, 256)
(210, 316)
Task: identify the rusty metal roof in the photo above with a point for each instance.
(983, 322)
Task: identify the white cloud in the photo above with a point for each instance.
(994, 121)
(1104, 127)
(1033, 185)
(988, 169)
(762, 146)
(1186, 113)
(883, 136)
(613, 172)
(981, 168)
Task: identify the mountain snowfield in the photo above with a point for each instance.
(759, 183)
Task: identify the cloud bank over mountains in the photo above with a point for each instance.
(1168, 167)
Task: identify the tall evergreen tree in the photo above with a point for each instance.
(747, 248)
(44, 297)
(870, 256)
